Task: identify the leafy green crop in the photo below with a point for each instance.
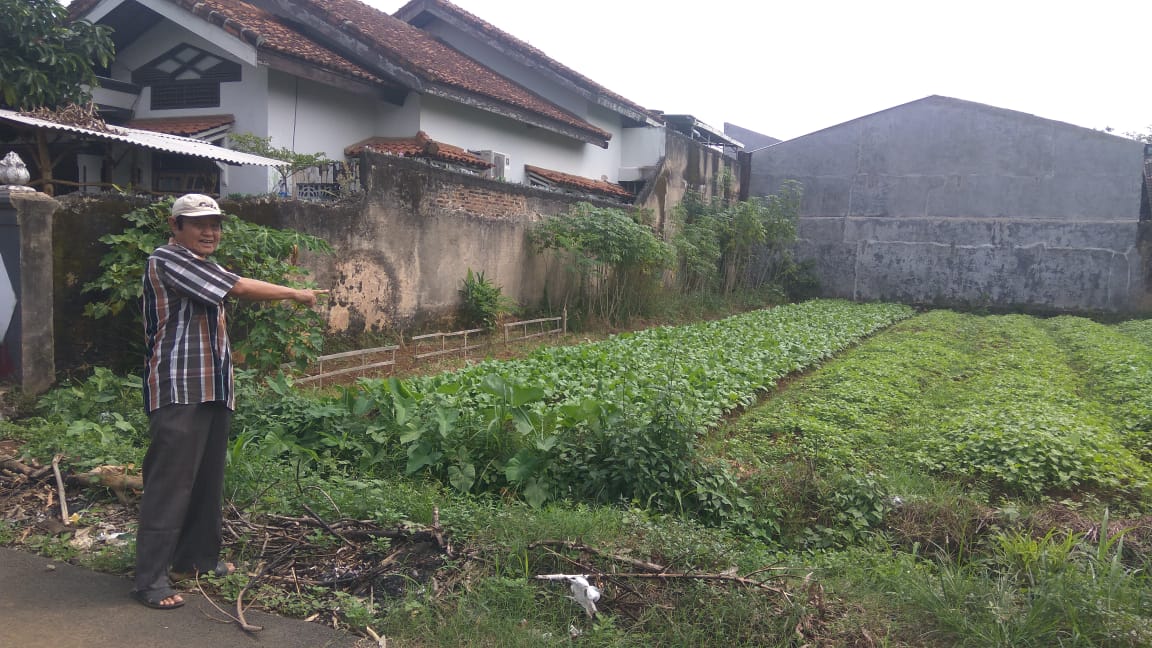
(990, 401)
(617, 419)
(1119, 373)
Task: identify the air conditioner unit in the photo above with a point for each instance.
(501, 164)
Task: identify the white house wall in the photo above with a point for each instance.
(398, 121)
(244, 99)
(593, 161)
(309, 117)
(641, 147)
(477, 130)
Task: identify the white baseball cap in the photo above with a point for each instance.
(193, 205)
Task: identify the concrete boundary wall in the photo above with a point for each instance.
(404, 248)
(979, 262)
(948, 202)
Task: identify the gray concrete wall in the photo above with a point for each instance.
(943, 201)
(31, 334)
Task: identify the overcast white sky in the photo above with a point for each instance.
(792, 67)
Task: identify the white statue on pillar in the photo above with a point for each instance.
(14, 173)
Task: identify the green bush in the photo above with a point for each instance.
(264, 334)
(482, 302)
(617, 262)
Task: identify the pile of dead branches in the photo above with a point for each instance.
(72, 115)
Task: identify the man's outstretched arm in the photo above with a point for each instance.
(256, 290)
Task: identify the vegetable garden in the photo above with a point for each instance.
(824, 473)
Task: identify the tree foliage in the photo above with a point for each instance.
(617, 261)
(293, 161)
(44, 61)
(1145, 137)
(728, 247)
(264, 334)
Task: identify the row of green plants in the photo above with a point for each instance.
(1118, 371)
(1019, 422)
(611, 421)
(943, 473)
(999, 406)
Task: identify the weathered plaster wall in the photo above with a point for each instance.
(405, 247)
(686, 166)
(402, 248)
(943, 201)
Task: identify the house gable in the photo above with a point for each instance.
(400, 51)
(423, 13)
(250, 34)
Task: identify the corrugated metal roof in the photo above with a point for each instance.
(148, 139)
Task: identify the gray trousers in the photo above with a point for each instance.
(183, 487)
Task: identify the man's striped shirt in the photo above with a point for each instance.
(188, 357)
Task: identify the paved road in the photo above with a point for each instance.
(67, 606)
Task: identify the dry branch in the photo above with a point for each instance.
(739, 580)
(60, 486)
(8, 462)
(114, 478)
(326, 526)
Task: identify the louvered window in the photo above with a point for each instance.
(185, 94)
(186, 77)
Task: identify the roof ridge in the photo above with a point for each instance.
(534, 51)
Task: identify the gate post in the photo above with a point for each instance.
(28, 351)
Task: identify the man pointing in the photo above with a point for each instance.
(188, 393)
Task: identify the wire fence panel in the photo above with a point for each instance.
(432, 345)
(458, 340)
(536, 328)
(361, 354)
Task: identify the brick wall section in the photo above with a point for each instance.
(479, 201)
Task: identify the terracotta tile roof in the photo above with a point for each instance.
(263, 30)
(570, 181)
(244, 20)
(420, 146)
(78, 7)
(434, 61)
(183, 126)
(408, 47)
(492, 33)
